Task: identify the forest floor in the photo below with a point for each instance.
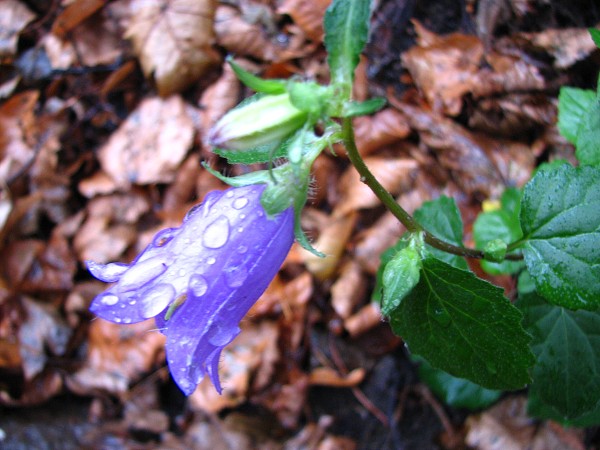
(104, 108)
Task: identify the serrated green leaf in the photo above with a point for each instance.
(536, 408)
(566, 377)
(346, 31)
(560, 217)
(441, 217)
(588, 136)
(500, 224)
(595, 33)
(464, 326)
(456, 392)
(573, 104)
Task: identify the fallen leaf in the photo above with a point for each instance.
(349, 289)
(219, 97)
(382, 128)
(443, 67)
(74, 14)
(173, 40)
(14, 16)
(326, 376)
(149, 146)
(307, 14)
(394, 174)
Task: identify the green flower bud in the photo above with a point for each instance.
(495, 250)
(267, 120)
(400, 276)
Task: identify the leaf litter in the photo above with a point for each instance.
(102, 131)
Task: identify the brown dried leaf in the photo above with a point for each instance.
(110, 226)
(219, 97)
(117, 356)
(247, 364)
(510, 73)
(307, 14)
(17, 125)
(173, 40)
(242, 38)
(14, 16)
(566, 45)
(332, 241)
(149, 146)
(368, 317)
(74, 14)
(326, 376)
(349, 289)
(443, 67)
(42, 331)
(507, 426)
(394, 174)
(379, 130)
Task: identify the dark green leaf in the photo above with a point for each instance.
(464, 326)
(346, 32)
(588, 136)
(536, 408)
(595, 33)
(502, 224)
(456, 392)
(560, 217)
(573, 104)
(566, 343)
(441, 217)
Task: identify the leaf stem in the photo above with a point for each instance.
(390, 203)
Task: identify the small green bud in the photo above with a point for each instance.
(495, 250)
(400, 276)
(267, 120)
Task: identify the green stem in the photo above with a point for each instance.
(390, 203)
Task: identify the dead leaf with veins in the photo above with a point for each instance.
(173, 40)
(150, 145)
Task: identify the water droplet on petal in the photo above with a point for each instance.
(181, 272)
(229, 194)
(211, 261)
(235, 278)
(242, 249)
(109, 299)
(240, 203)
(198, 285)
(242, 216)
(127, 320)
(217, 233)
(156, 300)
(141, 273)
(220, 335)
(117, 320)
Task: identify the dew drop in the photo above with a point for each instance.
(117, 320)
(109, 299)
(132, 302)
(217, 233)
(141, 273)
(156, 300)
(240, 203)
(242, 249)
(198, 285)
(211, 261)
(242, 216)
(229, 194)
(442, 316)
(127, 320)
(240, 229)
(181, 272)
(235, 278)
(220, 335)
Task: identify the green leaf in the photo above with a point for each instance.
(464, 326)
(573, 104)
(401, 274)
(441, 217)
(566, 377)
(501, 224)
(536, 408)
(346, 31)
(353, 109)
(588, 136)
(456, 392)
(262, 154)
(595, 36)
(560, 217)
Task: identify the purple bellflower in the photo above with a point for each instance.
(200, 280)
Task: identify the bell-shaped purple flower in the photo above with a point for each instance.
(199, 280)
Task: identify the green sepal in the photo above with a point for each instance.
(255, 83)
(401, 274)
(353, 109)
(495, 250)
(310, 97)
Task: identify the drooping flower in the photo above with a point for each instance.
(200, 279)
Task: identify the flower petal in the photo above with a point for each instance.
(109, 273)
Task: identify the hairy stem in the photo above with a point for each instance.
(390, 203)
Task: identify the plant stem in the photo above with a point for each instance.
(390, 203)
